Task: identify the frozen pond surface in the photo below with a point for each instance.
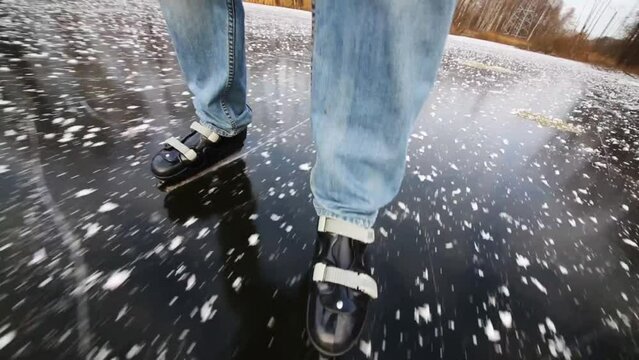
(515, 234)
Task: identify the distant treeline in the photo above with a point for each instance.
(545, 26)
(541, 25)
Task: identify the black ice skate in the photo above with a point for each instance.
(198, 153)
(341, 289)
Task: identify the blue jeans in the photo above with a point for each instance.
(374, 63)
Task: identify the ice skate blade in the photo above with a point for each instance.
(169, 187)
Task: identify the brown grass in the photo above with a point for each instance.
(295, 4)
(495, 37)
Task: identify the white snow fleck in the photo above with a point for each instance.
(4, 169)
(133, 351)
(190, 283)
(254, 239)
(612, 323)
(206, 311)
(305, 167)
(491, 333)
(116, 279)
(84, 192)
(108, 206)
(424, 313)
(624, 265)
(522, 261)
(486, 235)
(631, 243)
(551, 325)
(275, 217)
(7, 338)
(102, 354)
(539, 285)
(203, 232)
(74, 128)
(506, 319)
(237, 283)
(474, 206)
(92, 229)
(176, 242)
(506, 217)
(135, 130)
(190, 221)
(365, 347)
(390, 214)
(38, 257)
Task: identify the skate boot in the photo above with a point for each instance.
(181, 160)
(341, 289)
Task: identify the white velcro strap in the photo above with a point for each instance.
(209, 134)
(190, 154)
(350, 279)
(340, 227)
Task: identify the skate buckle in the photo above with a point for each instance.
(344, 228)
(209, 134)
(351, 279)
(188, 153)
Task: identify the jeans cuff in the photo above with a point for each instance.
(359, 220)
(244, 119)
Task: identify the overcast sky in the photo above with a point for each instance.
(623, 7)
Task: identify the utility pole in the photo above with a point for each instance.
(520, 23)
(532, 32)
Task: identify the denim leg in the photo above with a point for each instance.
(374, 63)
(208, 36)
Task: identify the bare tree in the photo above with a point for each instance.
(629, 56)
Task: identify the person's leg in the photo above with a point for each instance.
(374, 63)
(208, 36)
